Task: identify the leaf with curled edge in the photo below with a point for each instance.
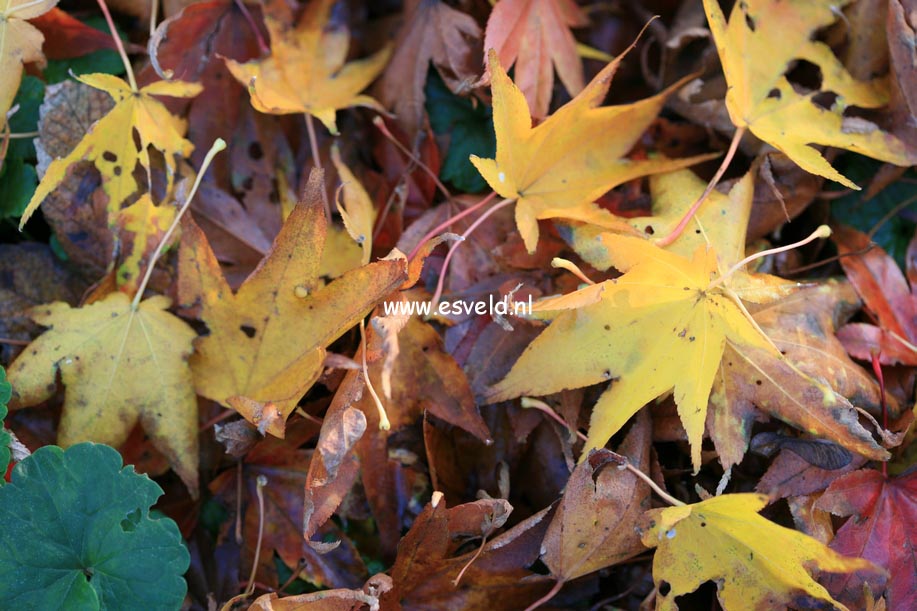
(591, 528)
(267, 340)
(755, 563)
(756, 47)
(20, 43)
(305, 72)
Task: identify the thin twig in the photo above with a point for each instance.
(450, 221)
(260, 483)
(455, 245)
(379, 122)
(218, 146)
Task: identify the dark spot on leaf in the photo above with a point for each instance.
(255, 151)
(648, 230)
(117, 170)
(248, 330)
(109, 157)
(759, 382)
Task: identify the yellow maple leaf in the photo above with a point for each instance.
(756, 47)
(754, 563)
(305, 72)
(20, 43)
(109, 143)
(782, 389)
(267, 340)
(120, 364)
(659, 328)
(560, 167)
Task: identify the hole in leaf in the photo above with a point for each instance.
(774, 93)
(129, 524)
(648, 230)
(248, 330)
(109, 157)
(664, 588)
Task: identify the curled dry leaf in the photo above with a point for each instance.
(591, 528)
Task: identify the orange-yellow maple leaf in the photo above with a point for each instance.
(756, 46)
(267, 340)
(560, 167)
(305, 72)
(533, 34)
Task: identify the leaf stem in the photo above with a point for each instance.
(551, 594)
(119, 45)
(260, 483)
(454, 247)
(450, 221)
(262, 46)
(379, 122)
(822, 232)
(218, 145)
(683, 223)
(622, 461)
(317, 162)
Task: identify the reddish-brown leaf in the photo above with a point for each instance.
(881, 529)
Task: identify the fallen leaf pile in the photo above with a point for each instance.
(458, 305)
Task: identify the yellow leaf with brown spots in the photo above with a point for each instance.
(120, 365)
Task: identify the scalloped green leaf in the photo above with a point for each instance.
(77, 534)
(5, 393)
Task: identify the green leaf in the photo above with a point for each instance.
(77, 534)
(5, 394)
(470, 128)
(18, 181)
(29, 98)
(896, 232)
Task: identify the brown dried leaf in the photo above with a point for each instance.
(593, 525)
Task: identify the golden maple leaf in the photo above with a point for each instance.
(558, 168)
(267, 340)
(661, 327)
(756, 47)
(20, 43)
(305, 72)
(755, 563)
(120, 364)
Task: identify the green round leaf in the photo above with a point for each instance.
(5, 393)
(77, 534)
